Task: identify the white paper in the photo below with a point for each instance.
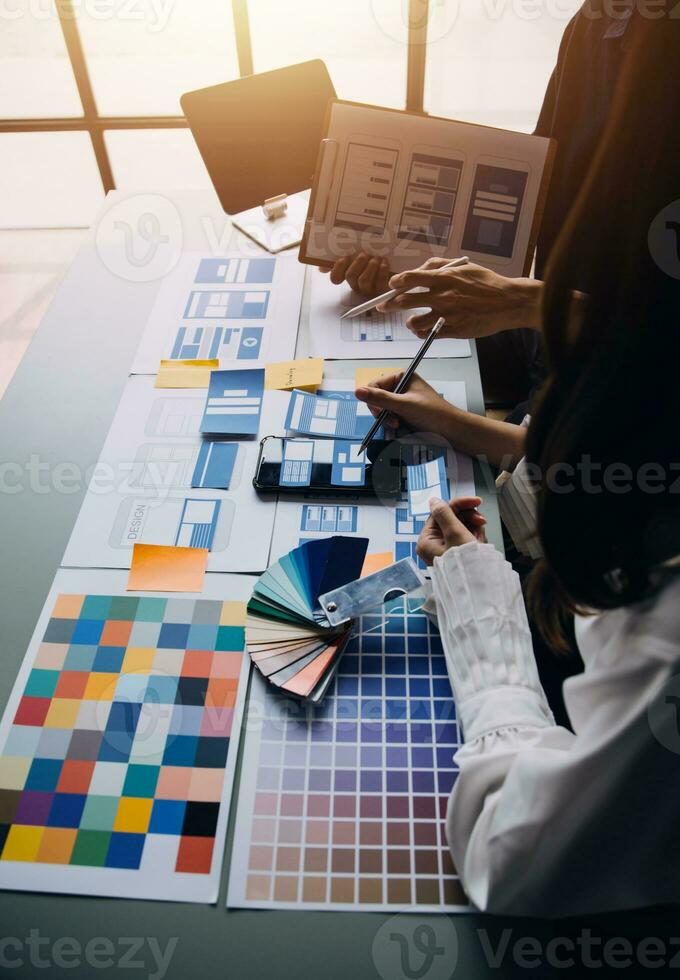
(365, 335)
(233, 317)
(276, 234)
(419, 186)
(143, 478)
(155, 878)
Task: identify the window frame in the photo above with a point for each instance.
(95, 124)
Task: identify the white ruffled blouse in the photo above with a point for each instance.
(542, 821)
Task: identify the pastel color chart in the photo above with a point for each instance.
(118, 757)
(342, 805)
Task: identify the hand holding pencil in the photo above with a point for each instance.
(420, 406)
(404, 381)
(381, 302)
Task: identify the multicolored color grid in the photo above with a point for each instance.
(116, 755)
(343, 805)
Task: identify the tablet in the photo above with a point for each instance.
(409, 186)
(259, 135)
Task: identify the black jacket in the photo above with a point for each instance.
(576, 107)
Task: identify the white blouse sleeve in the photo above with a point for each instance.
(517, 506)
(486, 636)
(542, 821)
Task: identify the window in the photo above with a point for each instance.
(48, 180)
(489, 61)
(141, 61)
(155, 159)
(89, 91)
(35, 73)
(365, 54)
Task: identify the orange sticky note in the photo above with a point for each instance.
(163, 568)
(185, 374)
(376, 562)
(364, 375)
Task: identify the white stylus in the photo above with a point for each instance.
(377, 300)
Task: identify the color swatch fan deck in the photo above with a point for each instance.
(288, 636)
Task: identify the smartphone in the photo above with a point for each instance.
(329, 468)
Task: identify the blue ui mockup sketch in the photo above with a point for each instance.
(234, 403)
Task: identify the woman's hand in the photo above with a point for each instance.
(475, 301)
(420, 406)
(450, 525)
(366, 274)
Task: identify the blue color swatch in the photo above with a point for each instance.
(235, 270)
(208, 343)
(329, 518)
(227, 304)
(321, 415)
(215, 465)
(349, 468)
(234, 403)
(424, 481)
(197, 523)
(296, 466)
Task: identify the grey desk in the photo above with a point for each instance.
(53, 422)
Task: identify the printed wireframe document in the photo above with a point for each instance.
(409, 187)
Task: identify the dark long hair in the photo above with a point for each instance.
(611, 405)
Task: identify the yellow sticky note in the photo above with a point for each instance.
(306, 374)
(376, 562)
(365, 375)
(165, 568)
(185, 374)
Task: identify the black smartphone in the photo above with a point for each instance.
(327, 468)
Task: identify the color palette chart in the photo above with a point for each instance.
(342, 806)
(117, 755)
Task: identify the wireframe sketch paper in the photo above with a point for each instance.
(236, 308)
(371, 335)
(389, 527)
(215, 464)
(142, 489)
(337, 414)
(425, 481)
(348, 465)
(410, 186)
(234, 403)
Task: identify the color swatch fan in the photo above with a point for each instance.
(288, 636)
